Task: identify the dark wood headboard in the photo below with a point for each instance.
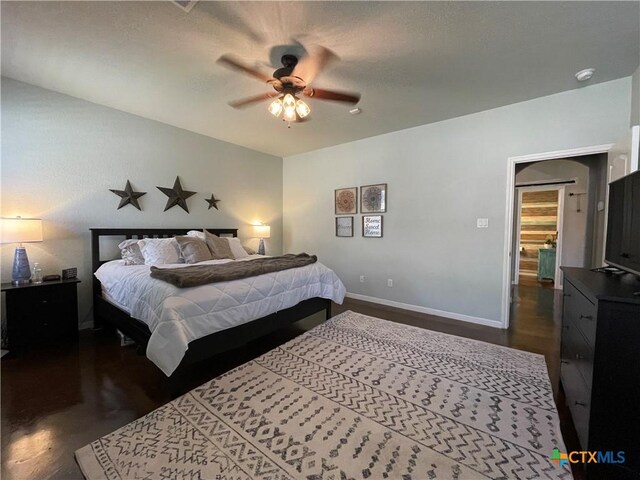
(130, 233)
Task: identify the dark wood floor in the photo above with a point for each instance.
(534, 282)
(57, 400)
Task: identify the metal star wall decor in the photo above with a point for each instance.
(177, 196)
(213, 202)
(128, 196)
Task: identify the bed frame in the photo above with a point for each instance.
(108, 316)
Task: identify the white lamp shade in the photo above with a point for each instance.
(21, 230)
(261, 231)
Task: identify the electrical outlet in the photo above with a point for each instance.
(389, 282)
(361, 278)
(482, 223)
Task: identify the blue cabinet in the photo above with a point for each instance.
(547, 263)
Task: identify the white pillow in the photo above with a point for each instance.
(160, 251)
(130, 252)
(196, 233)
(236, 248)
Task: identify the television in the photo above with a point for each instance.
(623, 224)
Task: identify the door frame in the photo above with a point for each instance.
(509, 207)
(559, 225)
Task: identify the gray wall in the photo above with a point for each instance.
(61, 155)
(441, 177)
(598, 174)
(635, 98)
(574, 229)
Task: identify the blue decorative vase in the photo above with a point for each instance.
(21, 273)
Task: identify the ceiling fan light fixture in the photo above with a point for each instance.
(289, 106)
(289, 114)
(275, 108)
(290, 81)
(302, 109)
(288, 101)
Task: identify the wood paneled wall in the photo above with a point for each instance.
(538, 221)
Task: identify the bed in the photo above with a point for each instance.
(110, 311)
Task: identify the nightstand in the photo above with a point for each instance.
(41, 314)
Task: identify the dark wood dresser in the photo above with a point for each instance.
(600, 366)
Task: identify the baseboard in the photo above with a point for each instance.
(427, 310)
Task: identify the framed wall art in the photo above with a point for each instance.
(373, 198)
(346, 200)
(344, 226)
(372, 226)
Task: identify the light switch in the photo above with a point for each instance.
(483, 223)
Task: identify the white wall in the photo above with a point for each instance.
(61, 155)
(441, 177)
(574, 229)
(635, 98)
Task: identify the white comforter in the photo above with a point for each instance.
(177, 316)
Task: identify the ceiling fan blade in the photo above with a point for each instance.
(332, 95)
(234, 64)
(316, 60)
(245, 102)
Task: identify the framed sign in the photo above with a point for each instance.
(373, 198)
(372, 226)
(346, 200)
(344, 226)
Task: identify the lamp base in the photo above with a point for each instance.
(261, 247)
(21, 273)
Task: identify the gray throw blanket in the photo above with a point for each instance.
(224, 272)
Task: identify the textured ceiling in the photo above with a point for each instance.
(413, 62)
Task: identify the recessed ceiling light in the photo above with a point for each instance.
(355, 111)
(584, 75)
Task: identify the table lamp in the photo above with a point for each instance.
(21, 230)
(261, 232)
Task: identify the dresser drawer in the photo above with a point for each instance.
(581, 312)
(574, 350)
(43, 299)
(578, 397)
(582, 356)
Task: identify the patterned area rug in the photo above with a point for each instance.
(354, 398)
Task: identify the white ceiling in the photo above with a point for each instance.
(413, 62)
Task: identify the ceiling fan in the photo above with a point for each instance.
(289, 82)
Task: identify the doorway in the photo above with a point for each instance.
(588, 201)
(539, 243)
